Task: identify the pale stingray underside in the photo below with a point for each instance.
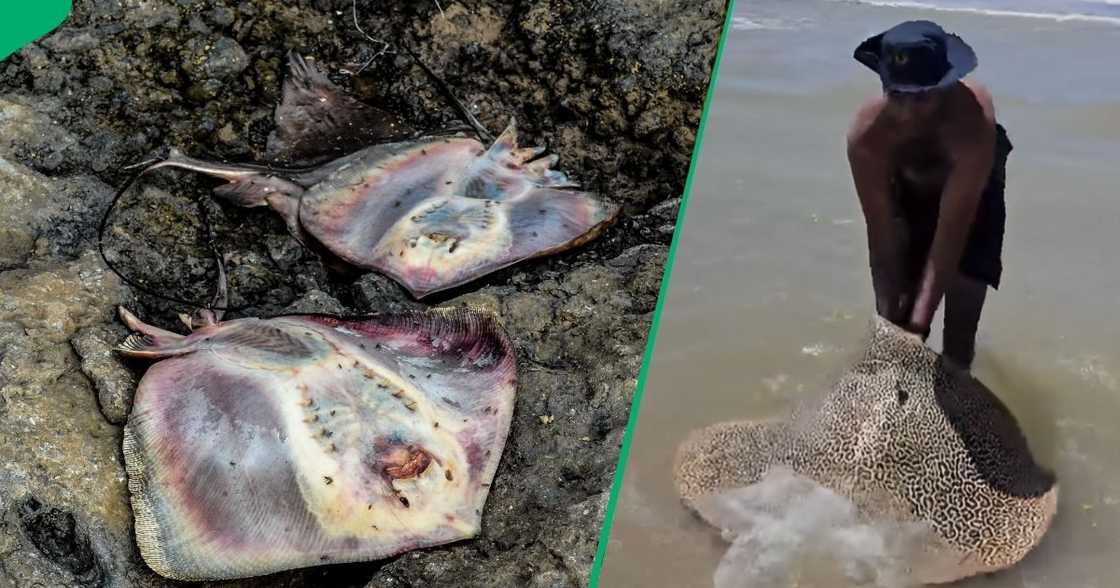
(261, 445)
(907, 437)
(432, 212)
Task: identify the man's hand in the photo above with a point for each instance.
(919, 332)
(889, 298)
(907, 322)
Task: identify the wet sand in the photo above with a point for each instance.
(770, 295)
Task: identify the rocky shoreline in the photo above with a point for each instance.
(615, 87)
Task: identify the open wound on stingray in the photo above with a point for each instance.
(432, 212)
(906, 437)
(261, 445)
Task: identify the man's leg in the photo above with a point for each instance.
(981, 261)
(963, 302)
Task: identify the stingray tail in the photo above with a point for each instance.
(247, 185)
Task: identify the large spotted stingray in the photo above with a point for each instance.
(432, 212)
(907, 438)
(261, 445)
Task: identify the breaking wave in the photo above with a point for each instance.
(786, 530)
(1098, 11)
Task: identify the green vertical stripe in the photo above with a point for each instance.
(23, 21)
(612, 503)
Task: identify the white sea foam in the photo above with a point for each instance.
(759, 23)
(787, 530)
(1040, 14)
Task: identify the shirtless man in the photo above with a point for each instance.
(928, 158)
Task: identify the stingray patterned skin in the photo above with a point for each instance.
(907, 437)
(257, 446)
(432, 212)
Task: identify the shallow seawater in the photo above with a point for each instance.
(770, 296)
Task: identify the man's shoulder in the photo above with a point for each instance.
(871, 107)
(977, 102)
(865, 116)
(974, 114)
(979, 91)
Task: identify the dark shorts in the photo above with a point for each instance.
(982, 256)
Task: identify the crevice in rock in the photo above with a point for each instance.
(92, 386)
(58, 536)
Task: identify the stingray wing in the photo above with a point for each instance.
(303, 440)
(316, 118)
(728, 455)
(439, 213)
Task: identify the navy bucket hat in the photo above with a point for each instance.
(916, 56)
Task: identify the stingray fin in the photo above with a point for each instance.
(258, 337)
(727, 455)
(549, 221)
(456, 338)
(149, 341)
(505, 170)
(507, 140)
(316, 119)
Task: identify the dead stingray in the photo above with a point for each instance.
(433, 212)
(261, 445)
(908, 438)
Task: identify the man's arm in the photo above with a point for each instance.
(871, 173)
(973, 153)
(873, 188)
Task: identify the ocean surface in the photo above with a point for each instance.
(770, 296)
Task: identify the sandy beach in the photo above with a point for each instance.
(120, 82)
(770, 295)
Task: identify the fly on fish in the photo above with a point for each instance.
(431, 212)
